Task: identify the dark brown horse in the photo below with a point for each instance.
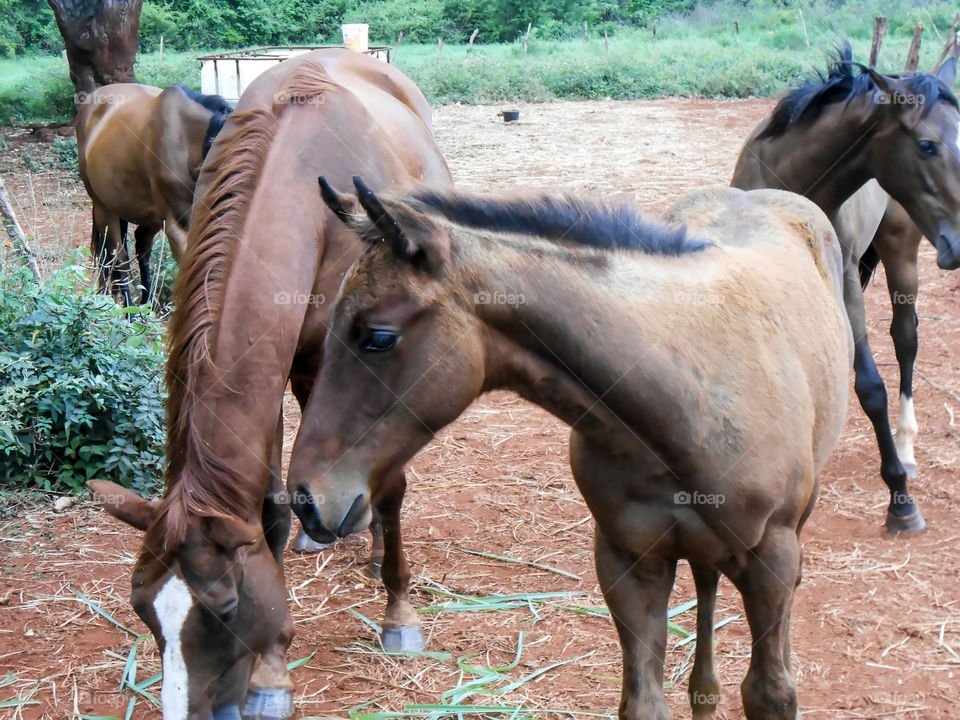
(827, 141)
(140, 151)
(264, 258)
(704, 397)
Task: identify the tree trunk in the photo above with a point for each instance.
(101, 40)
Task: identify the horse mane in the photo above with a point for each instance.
(219, 106)
(842, 84)
(587, 222)
(198, 482)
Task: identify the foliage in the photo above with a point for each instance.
(67, 153)
(81, 392)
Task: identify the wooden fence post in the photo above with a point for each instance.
(950, 43)
(473, 36)
(806, 38)
(439, 50)
(526, 37)
(913, 54)
(16, 233)
(879, 29)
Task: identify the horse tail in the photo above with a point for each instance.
(868, 263)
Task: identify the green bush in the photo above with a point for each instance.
(81, 391)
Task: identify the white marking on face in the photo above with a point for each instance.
(172, 605)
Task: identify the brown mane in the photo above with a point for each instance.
(198, 483)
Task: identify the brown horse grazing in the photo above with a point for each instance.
(704, 397)
(140, 151)
(826, 141)
(263, 257)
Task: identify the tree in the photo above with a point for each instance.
(101, 40)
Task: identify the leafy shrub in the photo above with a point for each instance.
(68, 154)
(81, 391)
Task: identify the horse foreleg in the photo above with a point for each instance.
(898, 250)
(767, 583)
(270, 691)
(401, 626)
(902, 513)
(276, 508)
(119, 260)
(637, 591)
(704, 687)
(144, 245)
(98, 249)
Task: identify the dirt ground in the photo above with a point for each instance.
(876, 624)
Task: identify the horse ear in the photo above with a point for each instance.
(386, 226)
(230, 533)
(884, 85)
(947, 74)
(124, 504)
(335, 201)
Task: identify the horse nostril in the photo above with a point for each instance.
(305, 507)
(229, 610)
(349, 522)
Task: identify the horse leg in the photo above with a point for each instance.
(270, 691)
(902, 514)
(276, 509)
(637, 592)
(899, 254)
(118, 258)
(401, 626)
(98, 249)
(704, 687)
(767, 583)
(375, 566)
(143, 237)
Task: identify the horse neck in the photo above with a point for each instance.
(825, 160)
(562, 335)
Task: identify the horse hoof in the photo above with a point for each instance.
(305, 544)
(908, 525)
(911, 469)
(268, 704)
(227, 712)
(374, 567)
(402, 639)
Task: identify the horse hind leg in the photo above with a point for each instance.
(143, 237)
(704, 689)
(767, 583)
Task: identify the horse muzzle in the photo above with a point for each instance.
(326, 519)
(948, 251)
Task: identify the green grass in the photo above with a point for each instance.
(692, 54)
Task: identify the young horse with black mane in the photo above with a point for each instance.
(739, 395)
(263, 255)
(139, 154)
(838, 141)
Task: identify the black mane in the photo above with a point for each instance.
(842, 84)
(565, 218)
(220, 108)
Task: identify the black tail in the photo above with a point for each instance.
(868, 263)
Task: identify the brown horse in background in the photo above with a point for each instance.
(827, 140)
(704, 396)
(264, 259)
(140, 150)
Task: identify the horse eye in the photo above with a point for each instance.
(379, 341)
(927, 147)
